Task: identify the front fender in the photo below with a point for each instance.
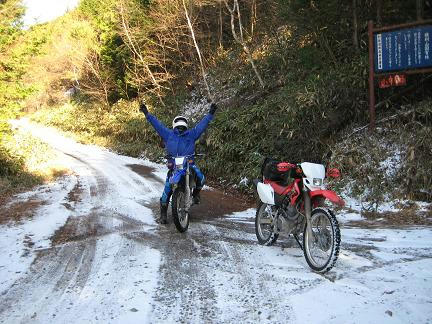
(177, 176)
(328, 194)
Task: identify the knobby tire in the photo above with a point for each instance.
(178, 192)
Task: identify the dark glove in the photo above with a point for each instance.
(143, 108)
(213, 108)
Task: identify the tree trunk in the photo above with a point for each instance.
(419, 7)
(355, 25)
(220, 26)
(197, 50)
(253, 16)
(239, 38)
(135, 49)
(378, 12)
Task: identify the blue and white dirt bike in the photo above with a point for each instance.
(183, 182)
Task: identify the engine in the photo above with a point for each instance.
(289, 218)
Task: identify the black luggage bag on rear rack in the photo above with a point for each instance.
(270, 171)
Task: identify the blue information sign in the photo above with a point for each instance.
(403, 49)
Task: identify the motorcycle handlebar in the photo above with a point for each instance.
(168, 157)
(330, 172)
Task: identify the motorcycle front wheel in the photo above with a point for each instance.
(322, 249)
(264, 226)
(179, 213)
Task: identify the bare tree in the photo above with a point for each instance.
(355, 26)
(145, 56)
(99, 81)
(88, 72)
(253, 16)
(197, 50)
(235, 13)
(170, 34)
(220, 26)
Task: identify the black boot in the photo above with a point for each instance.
(163, 213)
(196, 196)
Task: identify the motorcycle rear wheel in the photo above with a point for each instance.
(264, 226)
(322, 249)
(179, 214)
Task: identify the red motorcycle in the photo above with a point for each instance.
(292, 200)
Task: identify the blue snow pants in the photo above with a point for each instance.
(166, 195)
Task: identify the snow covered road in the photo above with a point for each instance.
(92, 253)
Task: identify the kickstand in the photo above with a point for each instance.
(298, 242)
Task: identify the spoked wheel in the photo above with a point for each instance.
(179, 213)
(322, 249)
(264, 225)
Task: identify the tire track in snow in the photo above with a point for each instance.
(251, 294)
(52, 288)
(54, 272)
(205, 277)
(184, 293)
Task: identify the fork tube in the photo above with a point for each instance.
(187, 189)
(308, 212)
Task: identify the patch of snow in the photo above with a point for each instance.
(352, 203)
(196, 108)
(423, 206)
(16, 255)
(344, 217)
(392, 164)
(250, 213)
(244, 181)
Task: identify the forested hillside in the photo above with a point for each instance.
(290, 78)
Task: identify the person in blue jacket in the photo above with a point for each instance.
(179, 141)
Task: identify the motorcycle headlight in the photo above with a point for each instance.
(179, 161)
(317, 182)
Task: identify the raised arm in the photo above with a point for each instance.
(160, 128)
(203, 124)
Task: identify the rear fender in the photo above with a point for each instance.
(327, 194)
(177, 176)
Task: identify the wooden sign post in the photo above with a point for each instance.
(397, 51)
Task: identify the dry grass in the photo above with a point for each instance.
(409, 215)
(41, 164)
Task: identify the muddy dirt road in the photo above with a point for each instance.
(91, 252)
